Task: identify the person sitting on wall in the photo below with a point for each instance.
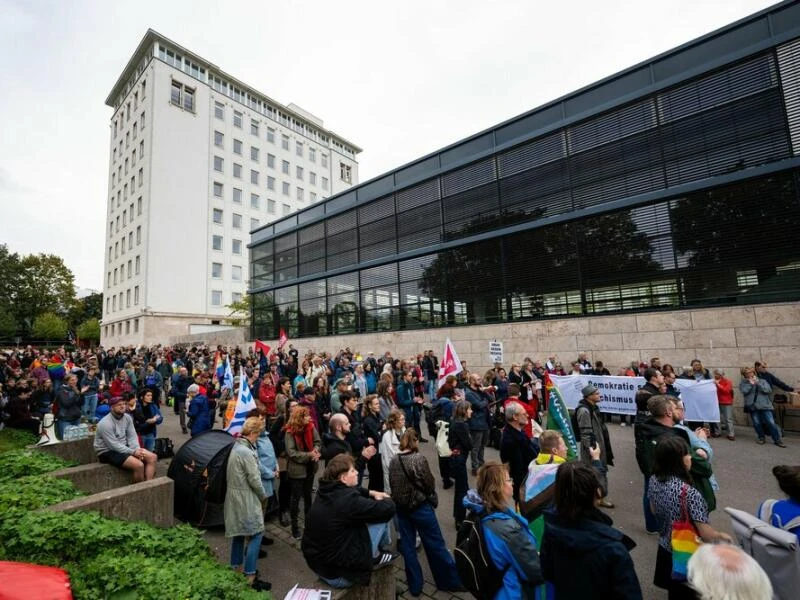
(116, 443)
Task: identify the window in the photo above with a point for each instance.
(128, 323)
(135, 131)
(136, 325)
(216, 270)
(141, 150)
(138, 264)
(271, 206)
(270, 135)
(109, 254)
(128, 303)
(219, 164)
(182, 96)
(141, 177)
(237, 221)
(271, 161)
(108, 280)
(141, 122)
(299, 173)
(298, 148)
(270, 183)
(285, 142)
(253, 177)
(144, 88)
(236, 297)
(139, 206)
(136, 295)
(237, 146)
(177, 88)
(133, 157)
(254, 128)
(285, 189)
(124, 217)
(255, 201)
(323, 160)
(236, 246)
(130, 269)
(236, 273)
(286, 209)
(254, 153)
(130, 242)
(216, 298)
(188, 99)
(254, 223)
(108, 309)
(312, 196)
(237, 196)
(237, 170)
(138, 235)
(219, 110)
(216, 242)
(312, 155)
(126, 166)
(116, 273)
(312, 178)
(346, 172)
(217, 216)
(115, 302)
(125, 192)
(219, 139)
(285, 167)
(324, 183)
(300, 194)
(237, 119)
(217, 189)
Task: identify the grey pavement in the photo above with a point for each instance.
(742, 467)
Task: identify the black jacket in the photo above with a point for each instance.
(589, 558)
(336, 541)
(517, 451)
(333, 446)
(645, 436)
(642, 396)
(459, 437)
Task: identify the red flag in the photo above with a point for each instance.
(282, 339)
(263, 347)
(450, 364)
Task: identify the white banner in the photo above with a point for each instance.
(699, 399)
(618, 393)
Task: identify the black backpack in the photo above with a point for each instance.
(164, 448)
(473, 563)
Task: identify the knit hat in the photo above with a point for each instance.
(114, 400)
(588, 390)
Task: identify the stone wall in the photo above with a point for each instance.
(228, 337)
(726, 338)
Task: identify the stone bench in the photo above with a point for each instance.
(150, 501)
(98, 477)
(80, 451)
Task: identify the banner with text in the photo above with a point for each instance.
(618, 393)
(496, 352)
(699, 399)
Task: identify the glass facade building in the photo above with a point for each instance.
(673, 184)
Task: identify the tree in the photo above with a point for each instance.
(45, 285)
(10, 273)
(8, 324)
(89, 330)
(83, 309)
(240, 311)
(49, 326)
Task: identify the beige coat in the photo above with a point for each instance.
(299, 462)
(243, 513)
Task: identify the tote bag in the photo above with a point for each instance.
(684, 540)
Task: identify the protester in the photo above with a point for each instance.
(478, 421)
(303, 452)
(390, 443)
(726, 571)
(517, 450)
(151, 416)
(414, 493)
(373, 430)
(725, 402)
(758, 404)
(460, 442)
(580, 539)
(199, 411)
(245, 500)
(784, 514)
(116, 443)
(592, 432)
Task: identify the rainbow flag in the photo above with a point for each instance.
(558, 417)
(55, 367)
(219, 366)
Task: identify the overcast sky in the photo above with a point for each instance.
(400, 79)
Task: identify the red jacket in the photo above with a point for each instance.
(724, 391)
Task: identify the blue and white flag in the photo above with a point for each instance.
(227, 378)
(244, 404)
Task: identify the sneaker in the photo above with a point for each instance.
(648, 532)
(261, 586)
(732, 438)
(760, 441)
(383, 559)
(780, 444)
(447, 484)
(423, 440)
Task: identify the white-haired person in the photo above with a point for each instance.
(726, 571)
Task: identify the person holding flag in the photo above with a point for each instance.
(236, 416)
(450, 365)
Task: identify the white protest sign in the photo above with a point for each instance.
(496, 351)
(618, 393)
(699, 399)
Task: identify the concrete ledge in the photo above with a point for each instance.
(80, 451)
(99, 477)
(382, 585)
(148, 501)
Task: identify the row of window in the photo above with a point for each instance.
(120, 245)
(255, 176)
(216, 297)
(109, 330)
(121, 272)
(216, 271)
(117, 176)
(255, 200)
(218, 217)
(125, 115)
(112, 305)
(114, 225)
(217, 243)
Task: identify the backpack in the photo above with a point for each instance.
(164, 448)
(775, 550)
(473, 563)
(433, 413)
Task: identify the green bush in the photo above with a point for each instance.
(34, 492)
(18, 463)
(14, 439)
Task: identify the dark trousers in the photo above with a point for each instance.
(301, 487)
(375, 469)
(458, 467)
(444, 469)
(443, 567)
(284, 492)
(650, 520)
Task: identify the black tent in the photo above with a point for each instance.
(197, 469)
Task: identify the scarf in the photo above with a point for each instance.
(305, 438)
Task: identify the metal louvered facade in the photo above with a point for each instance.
(673, 184)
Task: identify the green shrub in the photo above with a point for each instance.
(34, 492)
(18, 463)
(14, 439)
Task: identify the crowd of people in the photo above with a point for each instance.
(362, 419)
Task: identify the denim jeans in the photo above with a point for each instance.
(443, 567)
(250, 557)
(650, 520)
(430, 387)
(90, 406)
(149, 441)
(762, 418)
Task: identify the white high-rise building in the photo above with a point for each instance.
(197, 160)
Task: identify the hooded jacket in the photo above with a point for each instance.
(589, 558)
(336, 540)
